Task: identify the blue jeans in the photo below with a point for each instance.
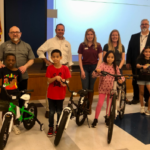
(54, 106)
(88, 82)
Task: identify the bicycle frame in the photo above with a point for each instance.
(118, 94)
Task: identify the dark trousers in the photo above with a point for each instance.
(136, 88)
(88, 82)
(22, 86)
(54, 106)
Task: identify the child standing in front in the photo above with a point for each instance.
(143, 70)
(11, 76)
(106, 83)
(56, 91)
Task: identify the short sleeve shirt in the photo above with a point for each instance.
(55, 90)
(144, 74)
(22, 51)
(89, 54)
(117, 54)
(10, 79)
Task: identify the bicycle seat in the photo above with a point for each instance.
(84, 92)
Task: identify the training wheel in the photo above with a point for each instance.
(42, 127)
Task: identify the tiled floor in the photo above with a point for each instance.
(132, 133)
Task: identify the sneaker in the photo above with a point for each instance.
(94, 123)
(147, 112)
(142, 109)
(56, 129)
(50, 132)
(107, 122)
(16, 130)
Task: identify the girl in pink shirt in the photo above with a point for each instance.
(106, 82)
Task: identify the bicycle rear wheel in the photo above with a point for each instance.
(61, 127)
(5, 132)
(111, 119)
(28, 124)
(122, 105)
(81, 113)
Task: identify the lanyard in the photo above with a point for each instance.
(143, 38)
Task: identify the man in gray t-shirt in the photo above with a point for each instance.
(24, 55)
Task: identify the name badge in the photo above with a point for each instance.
(86, 48)
(8, 45)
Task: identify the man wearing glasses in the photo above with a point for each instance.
(136, 45)
(23, 52)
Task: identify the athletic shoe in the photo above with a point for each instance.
(142, 109)
(50, 132)
(94, 123)
(56, 129)
(147, 112)
(107, 122)
(16, 130)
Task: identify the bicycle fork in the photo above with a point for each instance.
(11, 121)
(69, 111)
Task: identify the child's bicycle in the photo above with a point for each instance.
(118, 102)
(27, 114)
(81, 112)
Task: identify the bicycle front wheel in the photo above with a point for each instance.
(61, 128)
(111, 119)
(5, 132)
(81, 113)
(29, 123)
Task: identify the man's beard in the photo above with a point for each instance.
(144, 29)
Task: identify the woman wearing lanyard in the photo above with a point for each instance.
(114, 43)
(90, 56)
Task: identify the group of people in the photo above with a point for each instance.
(17, 56)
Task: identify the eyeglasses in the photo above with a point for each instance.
(145, 24)
(14, 32)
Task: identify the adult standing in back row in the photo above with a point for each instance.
(58, 42)
(136, 45)
(90, 56)
(114, 44)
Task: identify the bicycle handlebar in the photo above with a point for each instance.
(72, 92)
(104, 73)
(66, 82)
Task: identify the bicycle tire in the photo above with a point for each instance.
(121, 112)
(61, 128)
(111, 119)
(81, 113)
(4, 132)
(28, 124)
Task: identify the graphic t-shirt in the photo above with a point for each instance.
(55, 90)
(144, 74)
(10, 80)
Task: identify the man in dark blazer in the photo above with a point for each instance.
(136, 45)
